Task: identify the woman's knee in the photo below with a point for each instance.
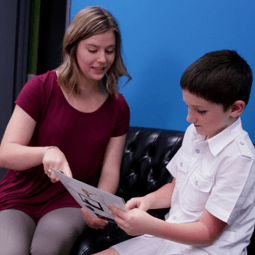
(57, 231)
(16, 232)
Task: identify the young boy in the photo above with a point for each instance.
(213, 191)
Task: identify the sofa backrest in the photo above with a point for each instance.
(146, 154)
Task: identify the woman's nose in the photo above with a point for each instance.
(101, 57)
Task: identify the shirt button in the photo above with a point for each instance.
(196, 183)
(197, 151)
(174, 217)
(242, 143)
(181, 164)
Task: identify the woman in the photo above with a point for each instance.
(70, 119)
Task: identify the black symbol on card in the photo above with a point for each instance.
(90, 208)
(91, 203)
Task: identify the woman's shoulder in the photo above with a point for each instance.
(117, 103)
(43, 78)
(43, 83)
(36, 92)
(119, 99)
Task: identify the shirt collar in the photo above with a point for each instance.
(221, 140)
(197, 137)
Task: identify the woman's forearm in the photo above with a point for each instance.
(110, 174)
(14, 150)
(19, 157)
(109, 182)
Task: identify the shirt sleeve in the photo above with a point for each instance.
(174, 165)
(31, 98)
(123, 120)
(232, 186)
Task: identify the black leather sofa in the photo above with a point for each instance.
(143, 170)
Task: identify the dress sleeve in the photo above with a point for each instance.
(123, 120)
(31, 98)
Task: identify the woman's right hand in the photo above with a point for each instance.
(95, 223)
(54, 158)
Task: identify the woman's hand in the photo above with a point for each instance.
(54, 158)
(93, 222)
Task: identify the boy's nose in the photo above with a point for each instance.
(191, 117)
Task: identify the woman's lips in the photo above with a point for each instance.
(98, 70)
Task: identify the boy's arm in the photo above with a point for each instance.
(201, 233)
(160, 198)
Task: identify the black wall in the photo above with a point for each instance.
(14, 43)
(52, 29)
(14, 28)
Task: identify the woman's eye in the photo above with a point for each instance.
(92, 51)
(110, 52)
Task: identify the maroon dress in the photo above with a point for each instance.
(82, 137)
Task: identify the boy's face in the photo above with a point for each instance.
(208, 118)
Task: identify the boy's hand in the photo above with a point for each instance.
(133, 222)
(138, 202)
(95, 223)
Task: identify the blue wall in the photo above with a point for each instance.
(161, 38)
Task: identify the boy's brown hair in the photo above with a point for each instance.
(221, 77)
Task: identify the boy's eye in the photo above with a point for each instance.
(201, 112)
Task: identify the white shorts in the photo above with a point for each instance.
(151, 245)
(142, 245)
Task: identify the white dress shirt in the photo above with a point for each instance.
(218, 175)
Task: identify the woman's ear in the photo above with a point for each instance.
(237, 108)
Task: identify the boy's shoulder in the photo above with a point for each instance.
(245, 146)
(234, 140)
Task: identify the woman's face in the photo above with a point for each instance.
(95, 55)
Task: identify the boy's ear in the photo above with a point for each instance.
(237, 108)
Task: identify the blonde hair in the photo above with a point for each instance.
(87, 22)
